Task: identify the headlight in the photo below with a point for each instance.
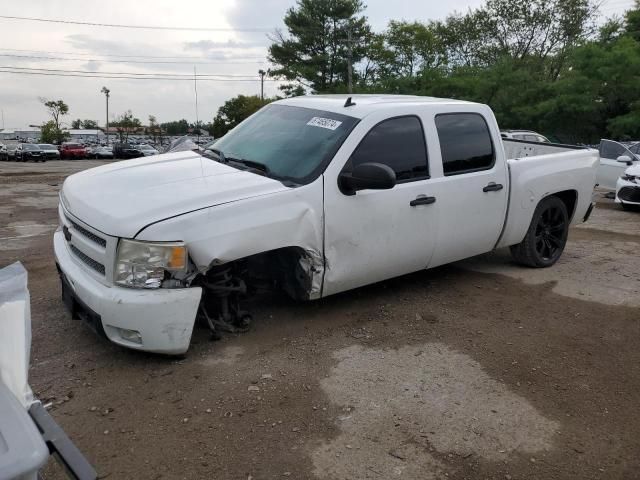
(630, 178)
(143, 264)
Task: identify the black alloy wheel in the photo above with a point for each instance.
(546, 238)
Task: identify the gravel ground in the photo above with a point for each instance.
(480, 369)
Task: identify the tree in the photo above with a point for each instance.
(322, 36)
(126, 124)
(88, 124)
(50, 133)
(632, 22)
(52, 129)
(154, 129)
(234, 111)
(180, 127)
(57, 109)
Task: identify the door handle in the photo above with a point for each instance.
(422, 201)
(493, 187)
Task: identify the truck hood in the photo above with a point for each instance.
(122, 198)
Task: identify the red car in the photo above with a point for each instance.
(72, 150)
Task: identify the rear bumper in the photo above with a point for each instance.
(163, 318)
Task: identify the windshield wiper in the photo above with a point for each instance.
(256, 167)
(253, 165)
(219, 153)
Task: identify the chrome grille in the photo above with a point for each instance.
(97, 266)
(91, 236)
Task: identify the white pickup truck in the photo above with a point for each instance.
(315, 195)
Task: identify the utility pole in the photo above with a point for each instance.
(106, 92)
(349, 60)
(262, 73)
(195, 90)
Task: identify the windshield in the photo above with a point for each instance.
(46, 146)
(29, 146)
(292, 142)
(146, 147)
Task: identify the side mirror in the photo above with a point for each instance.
(367, 176)
(625, 159)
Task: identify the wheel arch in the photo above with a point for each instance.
(569, 198)
(298, 270)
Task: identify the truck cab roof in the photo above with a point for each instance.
(362, 105)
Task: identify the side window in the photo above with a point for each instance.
(531, 138)
(465, 143)
(398, 143)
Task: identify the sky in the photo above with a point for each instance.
(237, 48)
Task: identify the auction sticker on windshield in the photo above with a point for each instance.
(324, 123)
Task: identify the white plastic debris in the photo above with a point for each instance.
(15, 332)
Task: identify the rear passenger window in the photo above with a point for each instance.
(465, 143)
(398, 143)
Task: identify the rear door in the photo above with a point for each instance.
(471, 185)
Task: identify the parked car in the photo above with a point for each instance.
(126, 151)
(317, 194)
(628, 188)
(148, 150)
(72, 151)
(615, 158)
(29, 151)
(102, 152)
(524, 135)
(11, 152)
(49, 151)
(28, 433)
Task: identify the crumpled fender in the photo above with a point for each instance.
(238, 229)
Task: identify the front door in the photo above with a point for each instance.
(610, 169)
(378, 234)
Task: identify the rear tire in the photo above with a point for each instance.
(546, 237)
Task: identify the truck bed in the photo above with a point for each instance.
(538, 169)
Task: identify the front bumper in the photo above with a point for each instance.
(164, 318)
(627, 192)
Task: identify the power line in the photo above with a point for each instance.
(189, 78)
(144, 27)
(129, 73)
(121, 56)
(38, 57)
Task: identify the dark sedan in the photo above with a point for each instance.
(29, 151)
(125, 151)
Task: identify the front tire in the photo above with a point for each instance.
(546, 237)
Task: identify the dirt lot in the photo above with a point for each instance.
(481, 369)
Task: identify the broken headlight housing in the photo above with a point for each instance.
(144, 264)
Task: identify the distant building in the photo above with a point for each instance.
(22, 134)
(86, 135)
